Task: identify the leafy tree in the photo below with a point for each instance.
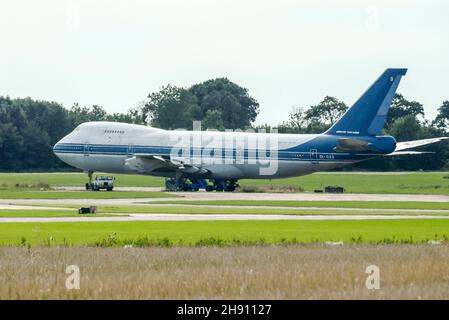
(442, 119)
(132, 116)
(80, 115)
(213, 120)
(327, 112)
(173, 107)
(45, 115)
(28, 130)
(237, 107)
(401, 107)
(296, 120)
(406, 128)
(37, 147)
(98, 113)
(170, 108)
(11, 144)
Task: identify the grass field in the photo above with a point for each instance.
(237, 210)
(31, 194)
(416, 182)
(316, 204)
(271, 272)
(224, 232)
(9, 180)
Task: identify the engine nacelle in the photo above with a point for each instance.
(141, 165)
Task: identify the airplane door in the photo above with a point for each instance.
(86, 160)
(130, 151)
(313, 156)
(86, 149)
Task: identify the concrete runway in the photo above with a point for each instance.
(274, 208)
(44, 204)
(300, 196)
(18, 207)
(40, 204)
(204, 196)
(214, 217)
(311, 196)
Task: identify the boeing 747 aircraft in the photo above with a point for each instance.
(189, 158)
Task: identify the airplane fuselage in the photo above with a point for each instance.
(126, 148)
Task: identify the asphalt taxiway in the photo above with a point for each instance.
(46, 204)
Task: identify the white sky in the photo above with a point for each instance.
(286, 52)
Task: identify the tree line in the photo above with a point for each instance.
(29, 128)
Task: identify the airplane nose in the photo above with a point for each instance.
(57, 148)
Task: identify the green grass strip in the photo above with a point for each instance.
(194, 232)
(317, 204)
(81, 195)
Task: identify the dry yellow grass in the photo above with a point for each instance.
(268, 272)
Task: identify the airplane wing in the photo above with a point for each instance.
(146, 163)
(417, 143)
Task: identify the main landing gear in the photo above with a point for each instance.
(192, 184)
(227, 185)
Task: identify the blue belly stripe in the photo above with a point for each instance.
(123, 150)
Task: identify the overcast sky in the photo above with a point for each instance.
(286, 52)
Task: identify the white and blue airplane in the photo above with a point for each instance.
(225, 157)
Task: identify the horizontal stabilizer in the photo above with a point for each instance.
(417, 143)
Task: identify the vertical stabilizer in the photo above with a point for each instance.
(368, 114)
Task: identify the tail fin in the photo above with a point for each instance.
(368, 114)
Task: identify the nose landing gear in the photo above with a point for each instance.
(89, 184)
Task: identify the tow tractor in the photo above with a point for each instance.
(100, 182)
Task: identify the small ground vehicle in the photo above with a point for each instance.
(84, 210)
(101, 182)
(334, 189)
